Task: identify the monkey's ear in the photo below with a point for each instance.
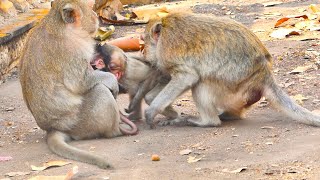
(71, 14)
(155, 31)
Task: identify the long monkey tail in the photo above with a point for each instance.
(57, 142)
(281, 100)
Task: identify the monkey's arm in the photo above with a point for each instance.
(179, 83)
(144, 88)
(109, 80)
(89, 80)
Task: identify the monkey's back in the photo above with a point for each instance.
(42, 77)
(203, 41)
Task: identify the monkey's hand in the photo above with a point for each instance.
(109, 80)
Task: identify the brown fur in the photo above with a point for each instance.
(139, 79)
(67, 98)
(224, 64)
(109, 9)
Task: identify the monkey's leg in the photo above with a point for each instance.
(143, 89)
(99, 115)
(205, 100)
(169, 112)
(135, 113)
(178, 84)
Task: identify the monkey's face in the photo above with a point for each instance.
(111, 10)
(151, 38)
(116, 65)
(76, 14)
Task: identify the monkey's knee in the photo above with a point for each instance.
(148, 99)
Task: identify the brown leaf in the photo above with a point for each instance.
(272, 3)
(314, 8)
(301, 69)
(267, 127)
(285, 32)
(49, 164)
(269, 143)
(239, 170)
(185, 152)
(280, 21)
(193, 159)
(13, 174)
(68, 176)
(147, 13)
(284, 19)
(300, 98)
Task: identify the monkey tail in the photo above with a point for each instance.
(280, 99)
(134, 129)
(57, 142)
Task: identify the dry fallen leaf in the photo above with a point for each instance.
(185, 152)
(284, 19)
(13, 174)
(146, 14)
(6, 5)
(314, 8)
(272, 3)
(193, 159)
(267, 127)
(49, 164)
(236, 170)
(68, 176)
(285, 32)
(300, 98)
(269, 143)
(280, 21)
(301, 69)
(303, 24)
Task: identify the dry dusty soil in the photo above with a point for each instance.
(266, 144)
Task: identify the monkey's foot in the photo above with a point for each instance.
(174, 122)
(204, 122)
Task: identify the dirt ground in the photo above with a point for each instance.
(266, 144)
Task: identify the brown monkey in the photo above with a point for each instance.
(109, 9)
(224, 64)
(67, 98)
(134, 75)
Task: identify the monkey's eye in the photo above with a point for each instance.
(113, 66)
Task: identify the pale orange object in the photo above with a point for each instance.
(127, 43)
(155, 157)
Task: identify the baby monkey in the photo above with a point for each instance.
(225, 65)
(135, 76)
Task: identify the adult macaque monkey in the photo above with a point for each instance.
(67, 98)
(135, 76)
(224, 64)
